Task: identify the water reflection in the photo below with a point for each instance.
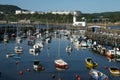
(46, 56)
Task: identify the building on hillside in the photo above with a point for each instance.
(28, 12)
(24, 12)
(65, 12)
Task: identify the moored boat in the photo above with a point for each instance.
(110, 54)
(18, 39)
(83, 43)
(60, 63)
(114, 71)
(97, 75)
(117, 55)
(10, 55)
(18, 49)
(68, 48)
(37, 66)
(90, 63)
(6, 38)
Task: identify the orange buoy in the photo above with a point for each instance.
(105, 67)
(76, 75)
(78, 78)
(21, 72)
(59, 78)
(53, 75)
(28, 70)
(16, 62)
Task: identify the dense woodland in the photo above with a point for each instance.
(9, 14)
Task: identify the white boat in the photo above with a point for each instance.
(83, 44)
(34, 52)
(60, 63)
(18, 40)
(10, 55)
(97, 75)
(77, 43)
(117, 55)
(68, 48)
(18, 49)
(6, 38)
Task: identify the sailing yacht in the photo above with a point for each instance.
(18, 38)
(6, 35)
(68, 49)
(18, 49)
(60, 63)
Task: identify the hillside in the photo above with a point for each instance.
(9, 8)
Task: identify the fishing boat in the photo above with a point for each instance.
(37, 66)
(18, 49)
(60, 63)
(114, 71)
(97, 75)
(90, 63)
(110, 54)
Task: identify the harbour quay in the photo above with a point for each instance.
(105, 36)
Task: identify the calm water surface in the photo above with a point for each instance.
(75, 60)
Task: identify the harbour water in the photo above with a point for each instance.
(10, 70)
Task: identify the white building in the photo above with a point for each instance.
(78, 23)
(18, 12)
(61, 12)
(66, 12)
(24, 12)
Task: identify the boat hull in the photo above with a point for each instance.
(97, 75)
(90, 63)
(61, 64)
(114, 71)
